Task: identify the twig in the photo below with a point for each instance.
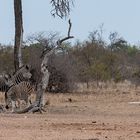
(70, 24)
(59, 42)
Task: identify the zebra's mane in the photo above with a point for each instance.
(21, 69)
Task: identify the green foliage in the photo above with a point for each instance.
(91, 60)
(136, 73)
(32, 52)
(118, 77)
(6, 59)
(100, 71)
(132, 50)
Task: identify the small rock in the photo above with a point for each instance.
(94, 139)
(99, 133)
(103, 124)
(25, 117)
(70, 100)
(138, 132)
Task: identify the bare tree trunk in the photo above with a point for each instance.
(41, 87)
(18, 34)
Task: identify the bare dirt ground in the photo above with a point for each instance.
(100, 115)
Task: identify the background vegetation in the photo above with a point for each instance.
(93, 60)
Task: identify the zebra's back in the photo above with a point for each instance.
(21, 90)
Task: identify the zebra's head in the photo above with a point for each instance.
(24, 71)
(23, 74)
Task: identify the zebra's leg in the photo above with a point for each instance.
(13, 105)
(6, 102)
(19, 103)
(42, 99)
(28, 101)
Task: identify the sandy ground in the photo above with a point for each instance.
(101, 115)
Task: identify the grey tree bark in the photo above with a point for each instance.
(18, 34)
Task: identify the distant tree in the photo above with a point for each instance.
(6, 59)
(117, 43)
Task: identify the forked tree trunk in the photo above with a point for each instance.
(18, 34)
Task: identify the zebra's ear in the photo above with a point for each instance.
(27, 67)
(6, 77)
(9, 75)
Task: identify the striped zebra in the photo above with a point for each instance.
(23, 74)
(18, 92)
(3, 85)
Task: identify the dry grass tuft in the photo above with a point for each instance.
(2, 100)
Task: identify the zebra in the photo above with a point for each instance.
(3, 84)
(18, 92)
(23, 74)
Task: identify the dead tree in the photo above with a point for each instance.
(18, 34)
(41, 87)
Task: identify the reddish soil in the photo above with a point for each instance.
(95, 116)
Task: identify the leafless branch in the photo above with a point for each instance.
(70, 24)
(61, 7)
(59, 42)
